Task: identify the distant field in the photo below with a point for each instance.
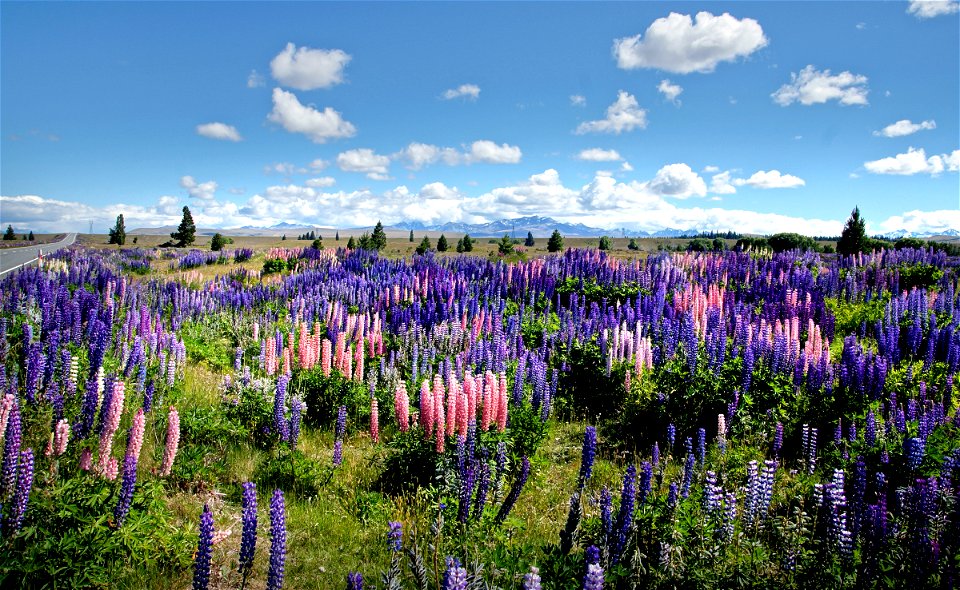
(39, 240)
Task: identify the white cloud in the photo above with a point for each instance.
(626, 167)
(219, 131)
(720, 184)
(468, 91)
(309, 69)
(670, 91)
(321, 182)
(678, 44)
(811, 86)
(861, 26)
(623, 115)
(255, 80)
(318, 164)
(423, 154)
(915, 161)
(710, 169)
(284, 168)
(489, 152)
(905, 127)
(54, 215)
(578, 100)
(366, 161)
(202, 190)
(930, 8)
(297, 118)
(599, 155)
(678, 181)
(770, 179)
(932, 222)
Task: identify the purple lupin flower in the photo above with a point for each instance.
(296, 415)
(339, 431)
(278, 541)
(778, 439)
(126, 488)
(589, 452)
(531, 581)
(514, 491)
(646, 478)
(455, 578)
(248, 540)
(22, 495)
(606, 515)
(11, 452)
(594, 578)
(280, 408)
(628, 496)
(201, 564)
(395, 536)
(672, 495)
(354, 581)
(913, 450)
(671, 436)
(701, 445)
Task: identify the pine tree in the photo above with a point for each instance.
(529, 242)
(283, 238)
(337, 238)
(424, 246)
(118, 235)
(30, 236)
(604, 243)
(378, 240)
(351, 244)
(217, 242)
(505, 245)
(187, 231)
(442, 245)
(467, 243)
(460, 246)
(633, 245)
(411, 235)
(9, 234)
(854, 236)
(555, 244)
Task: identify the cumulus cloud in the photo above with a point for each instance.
(578, 100)
(905, 127)
(678, 181)
(721, 184)
(670, 91)
(309, 69)
(812, 86)
(678, 44)
(915, 161)
(489, 152)
(219, 131)
(199, 190)
(623, 115)
(770, 179)
(933, 222)
(255, 80)
(284, 168)
(321, 182)
(422, 154)
(599, 155)
(468, 91)
(364, 160)
(924, 9)
(54, 215)
(319, 126)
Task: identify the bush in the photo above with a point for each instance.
(324, 395)
(271, 265)
(293, 472)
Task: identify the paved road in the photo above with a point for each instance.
(12, 258)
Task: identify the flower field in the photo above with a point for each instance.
(302, 418)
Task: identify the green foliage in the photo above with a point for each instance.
(505, 245)
(271, 265)
(118, 234)
(442, 245)
(317, 244)
(70, 539)
(790, 241)
(854, 236)
(748, 243)
(555, 243)
(593, 291)
(325, 394)
(411, 236)
(922, 276)
(633, 245)
(585, 390)
(293, 472)
(9, 234)
(250, 409)
(850, 315)
(186, 231)
(351, 243)
(30, 236)
(217, 242)
(699, 245)
(604, 243)
(529, 242)
(424, 246)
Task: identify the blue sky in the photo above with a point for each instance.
(752, 116)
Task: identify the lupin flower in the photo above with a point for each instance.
(136, 435)
(111, 423)
(278, 541)
(913, 450)
(21, 496)
(531, 581)
(628, 496)
(248, 540)
(514, 491)
(173, 441)
(594, 578)
(281, 428)
(589, 452)
(354, 581)
(395, 536)
(374, 420)
(671, 436)
(296, 415)
(126, 489)
(11, 453)
(455, 578)
(86, 460)
(339, 431)
(201, 564)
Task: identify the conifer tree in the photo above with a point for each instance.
(186, 232)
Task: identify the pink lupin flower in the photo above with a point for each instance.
(136, 434)
(462, 408)
(256, 330)
(358, 361)
(86, 460)
(374, 420)
(61, 436)
(439, 418)
(5, 406)
(485, 411)
(173, 441)
(426, 408)
(452, 410)
(502, 411)
(111, 469)
(110, 426)
(401, 407)
(325, 357)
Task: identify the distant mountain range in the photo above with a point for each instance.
(540, 227)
